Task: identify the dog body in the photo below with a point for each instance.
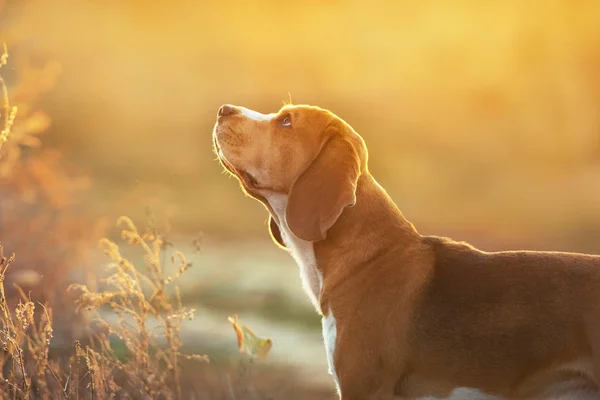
(404, 315)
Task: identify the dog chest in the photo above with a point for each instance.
(304, 255)
(329, 338)
(302, 251)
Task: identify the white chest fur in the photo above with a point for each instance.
(329, 336)
(304, 255)
(302, 251)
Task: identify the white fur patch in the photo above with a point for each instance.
(312, 280)
(302, 251)
(255, 115)
(329, 337)
(465, 394)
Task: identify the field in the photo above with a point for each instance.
(482, 122)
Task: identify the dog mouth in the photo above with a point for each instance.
(247, 179)
(221, 156)
(228, 166)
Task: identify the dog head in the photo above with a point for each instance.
(304, 152)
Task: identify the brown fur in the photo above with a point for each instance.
(419, 315)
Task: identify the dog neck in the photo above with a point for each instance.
(374, 220)
(301, 250)
(376, 226)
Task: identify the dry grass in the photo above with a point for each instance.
(40, 215)
(92, 370)
(24, 341)
(137, 295)
(138, 307)
(152, 368)
(116, 338)
(7, 112)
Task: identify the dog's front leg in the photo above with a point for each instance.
(366, 387)
(361, 377)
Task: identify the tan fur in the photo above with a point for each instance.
(416, 315)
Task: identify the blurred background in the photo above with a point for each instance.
(482, 121)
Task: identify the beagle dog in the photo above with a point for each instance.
(407, 316)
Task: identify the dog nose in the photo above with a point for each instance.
(225, 110)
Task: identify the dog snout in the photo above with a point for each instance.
(226, 109)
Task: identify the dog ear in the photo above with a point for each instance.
(324, 189)
(275, 232)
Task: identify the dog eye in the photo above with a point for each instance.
(287, 121)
